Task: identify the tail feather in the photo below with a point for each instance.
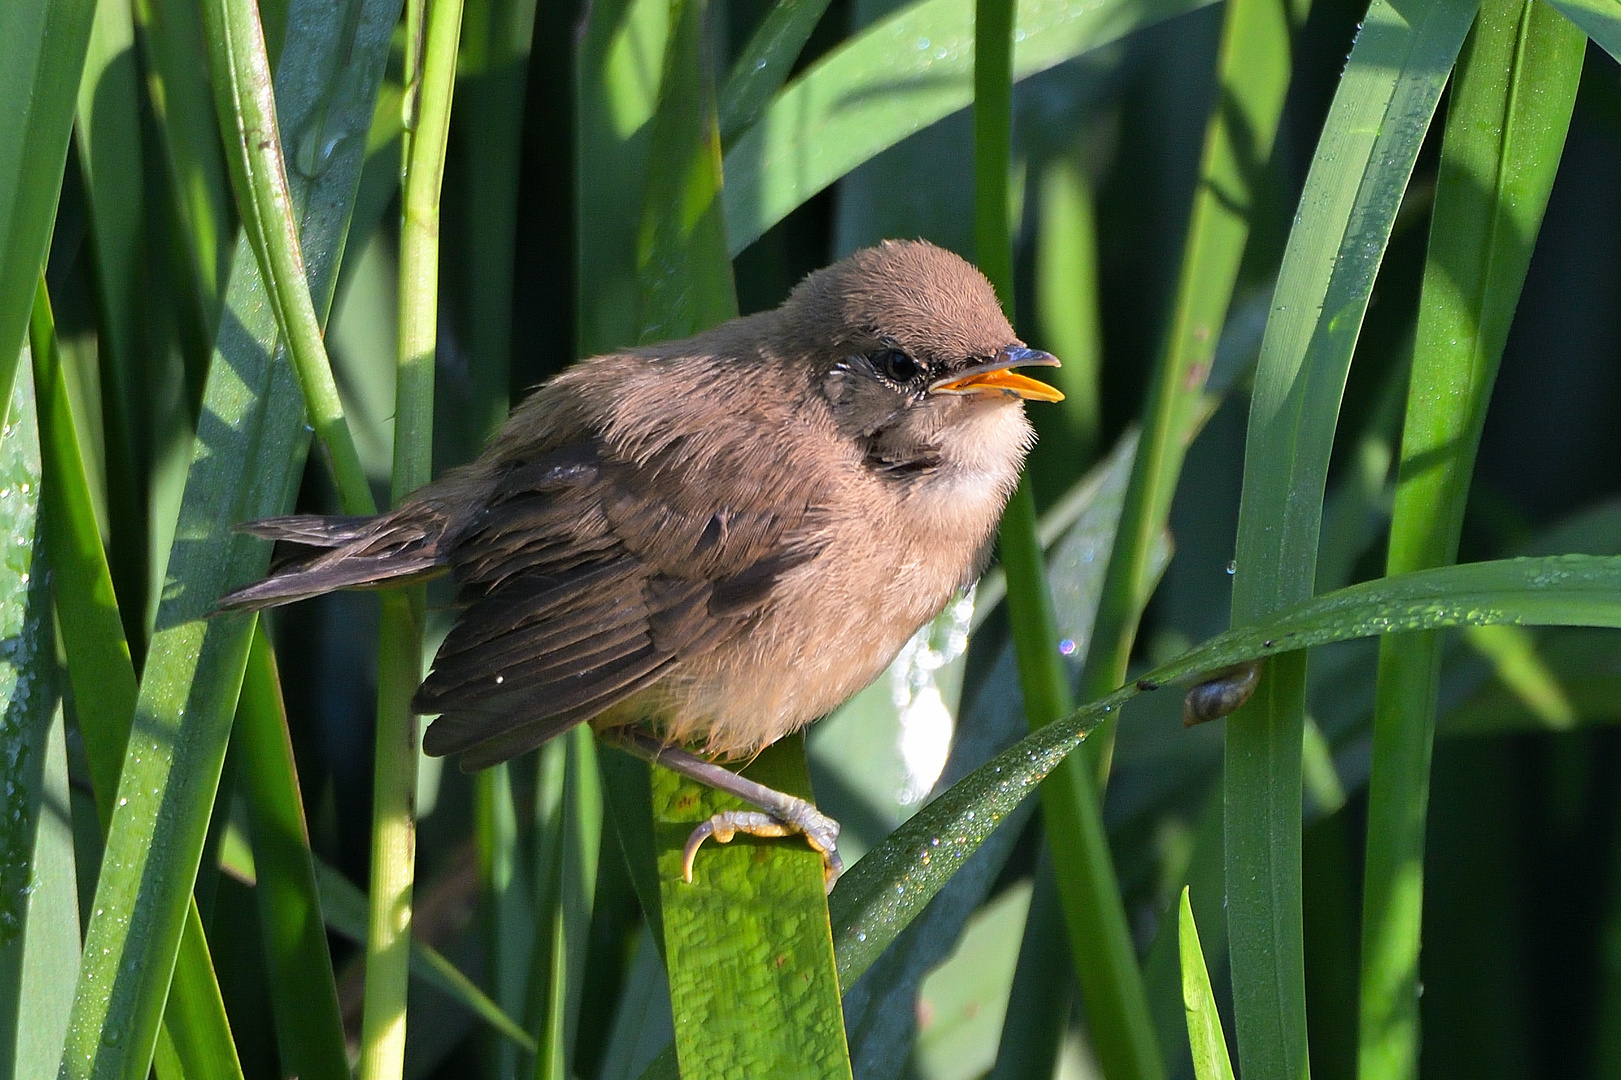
(311, 530)
(343, 552)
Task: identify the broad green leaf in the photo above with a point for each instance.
(1599, 19)
(1511, 104)
(896, 77)
(251, 427)
(1210, 1060)
(42, 50)
(748, 939)
(38, 907)
(1375, 126)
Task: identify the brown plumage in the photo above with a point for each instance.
(722, 537)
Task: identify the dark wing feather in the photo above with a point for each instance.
(587, 577)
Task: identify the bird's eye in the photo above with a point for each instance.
(896, 365)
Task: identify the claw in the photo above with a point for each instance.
(820, 832)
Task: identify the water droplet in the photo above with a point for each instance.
(1232, 566)
(1066, 647)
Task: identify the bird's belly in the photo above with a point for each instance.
(806, 655)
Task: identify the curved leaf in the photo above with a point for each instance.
(1371, 138)
(898, 76)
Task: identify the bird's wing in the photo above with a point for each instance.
(592, 571)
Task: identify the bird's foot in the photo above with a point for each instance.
(783, 814)
(797, 817)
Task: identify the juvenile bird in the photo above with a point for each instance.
(710, 542)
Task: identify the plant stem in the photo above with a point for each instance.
(432, 34)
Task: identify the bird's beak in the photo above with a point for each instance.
(996, 376)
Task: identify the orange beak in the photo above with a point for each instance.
(998, 377)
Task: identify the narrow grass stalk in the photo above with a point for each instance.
(432, 33)
(1105, 957)
(1512, 98)
(246, 102)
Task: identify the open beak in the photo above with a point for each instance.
(996, 376)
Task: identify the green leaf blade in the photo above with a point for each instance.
(1375, 126)
(1511, 105)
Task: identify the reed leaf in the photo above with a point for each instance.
(1371, 138)
(1511, 104)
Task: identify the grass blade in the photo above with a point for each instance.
(490, 77)
(109, 142)
(173, 48)
(1210, 1060)
(1510, 109)
(253, 429)
(298, 964)
(568, 838)
(97, 652)
(896, 77)
(103, 677)
(38, 910)
(1599, 19)
(1252, 80)
(619, 66)
(42, 50)
(765, 61)
(1381, 111)
(1104, 954)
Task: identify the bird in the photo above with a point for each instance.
(700, 546)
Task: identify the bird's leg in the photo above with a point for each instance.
(784, 814)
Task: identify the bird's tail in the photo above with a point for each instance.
(337, 552)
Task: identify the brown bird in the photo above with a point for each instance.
(715, 541)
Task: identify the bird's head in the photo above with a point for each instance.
(916, 361)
